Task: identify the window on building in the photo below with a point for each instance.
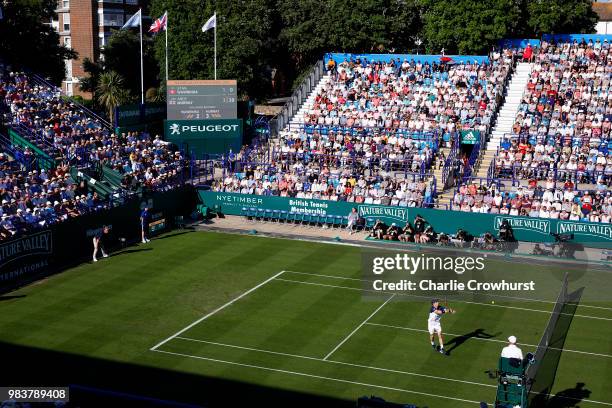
(69, 89)
(66, 21)
(112, 20)
(65, 4)
(67, 42)
(68, 64)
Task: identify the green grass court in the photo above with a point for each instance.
(287, 317)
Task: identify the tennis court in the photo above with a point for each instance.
(319, 326)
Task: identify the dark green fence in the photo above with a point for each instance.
(525, 228)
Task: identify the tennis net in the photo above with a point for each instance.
(547, 337)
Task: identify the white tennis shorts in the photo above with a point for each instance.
(434, 327)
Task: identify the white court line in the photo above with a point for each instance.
(487, 294)
(217, 310)
(337, 362)
(320, 377)
(358, 327)
(425, 297)
(483, 339)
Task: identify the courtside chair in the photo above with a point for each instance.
(283, 216)
(261, 213)
(344, 220)
(268, 215)
(329, 220)
(337, 221)
(252, 214)
(245, 212)
(306, 219)
(317, 220)
(369, 224)
(276, 215)
(292, 217)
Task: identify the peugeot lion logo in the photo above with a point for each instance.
(174, 128)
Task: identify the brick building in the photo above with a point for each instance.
(85, 26)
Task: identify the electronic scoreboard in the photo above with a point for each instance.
(202, 99)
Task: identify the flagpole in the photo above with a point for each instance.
(166, 48)
(141, 68)
(215, 45)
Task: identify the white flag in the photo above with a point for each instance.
(211, 23)
(134, 21)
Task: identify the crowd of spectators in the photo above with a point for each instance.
(71, 136)
(374, 117)
(328, 184)
(564, 120)
(387, 150)
(37, 199)
(79, 138)
(408, 95)
(553, 201)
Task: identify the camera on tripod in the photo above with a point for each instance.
(562, 237)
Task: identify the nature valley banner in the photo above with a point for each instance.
(25, 255)
(397, 214)
(538, 225)
(35, 244)
(594, 230)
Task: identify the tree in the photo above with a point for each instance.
(111, 92)
(245, 41)
(122, 56)
(28, 42)
(311, 28)
(467, 26)
(560, 17)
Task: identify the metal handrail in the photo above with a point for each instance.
(280, 121)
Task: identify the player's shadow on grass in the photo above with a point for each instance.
(570, 397)
(131, 251)
(460, 340)
(187, 230)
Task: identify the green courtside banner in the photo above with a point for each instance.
(470, 137)
(525, 228)
(205, 136)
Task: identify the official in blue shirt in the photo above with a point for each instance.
(144, 224)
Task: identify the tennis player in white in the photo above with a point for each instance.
(433, 323)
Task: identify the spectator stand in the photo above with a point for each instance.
(37, 79)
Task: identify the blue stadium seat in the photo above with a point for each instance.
(283, 216)
(369, 223)
(267, 214)
(260, 214)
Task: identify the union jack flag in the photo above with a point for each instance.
(160, 24)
